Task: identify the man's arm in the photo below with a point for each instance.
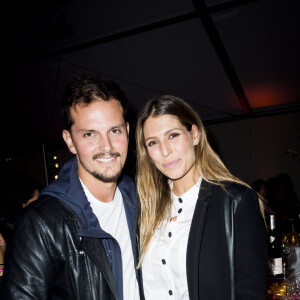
(29, 270)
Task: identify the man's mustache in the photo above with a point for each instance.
(102, 154)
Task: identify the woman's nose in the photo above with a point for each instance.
(165, 149)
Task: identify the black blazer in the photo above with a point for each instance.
(208, 271)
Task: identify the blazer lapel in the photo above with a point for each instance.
(195, 239)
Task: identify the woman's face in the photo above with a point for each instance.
(171, 146)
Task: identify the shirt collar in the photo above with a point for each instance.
(94, 201)
(190, 197)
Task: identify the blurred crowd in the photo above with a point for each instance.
(17, 191)
(281, 198)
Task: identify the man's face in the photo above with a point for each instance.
(99, 138)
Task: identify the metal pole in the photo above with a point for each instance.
(45, 164)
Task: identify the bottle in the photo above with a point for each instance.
(292, 236)
(274, 250)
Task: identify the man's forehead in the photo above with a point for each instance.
(95, 100)
(95, 114)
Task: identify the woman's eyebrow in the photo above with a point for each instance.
(166, 132)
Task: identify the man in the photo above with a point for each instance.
(78, 240)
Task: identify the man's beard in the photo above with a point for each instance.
(100, 176)
(105, 178)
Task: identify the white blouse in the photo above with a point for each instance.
(164, 265)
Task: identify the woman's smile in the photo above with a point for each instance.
(171, 164)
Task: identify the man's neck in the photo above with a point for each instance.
(103, 191)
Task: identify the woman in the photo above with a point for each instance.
(202, 230)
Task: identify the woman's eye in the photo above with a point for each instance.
(152, 143)
(173, 135)
(115, 131)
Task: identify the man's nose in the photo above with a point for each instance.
(105, 144)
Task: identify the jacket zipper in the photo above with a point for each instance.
(87, 266)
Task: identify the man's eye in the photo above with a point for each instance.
(88, 134)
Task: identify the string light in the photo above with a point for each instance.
(53, 166)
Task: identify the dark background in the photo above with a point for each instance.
(235, 61)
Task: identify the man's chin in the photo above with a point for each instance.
(108, 175)
(107, 178)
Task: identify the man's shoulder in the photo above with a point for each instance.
(44, 202)
(124, 179)
(128, 189)
(126, 184)
(45, 208)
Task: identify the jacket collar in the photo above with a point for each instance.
(195, 237)
(199, 216)
(68, 190)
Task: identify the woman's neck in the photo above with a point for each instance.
(180, 186)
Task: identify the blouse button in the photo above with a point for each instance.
(170, 292)
(179, 210)
(180, 200)
(163, 261)
(170, 234)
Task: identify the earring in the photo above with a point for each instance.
(197, 141)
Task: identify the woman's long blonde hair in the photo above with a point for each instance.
(153, 187)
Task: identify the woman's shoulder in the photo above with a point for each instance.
(236, 187)
(230, 186)
(233, 190)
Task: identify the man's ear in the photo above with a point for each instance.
(68, 140)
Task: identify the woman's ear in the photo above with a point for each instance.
(127, 128)
(195, 135)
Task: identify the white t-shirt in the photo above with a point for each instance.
(164, 265)
(112, 219)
